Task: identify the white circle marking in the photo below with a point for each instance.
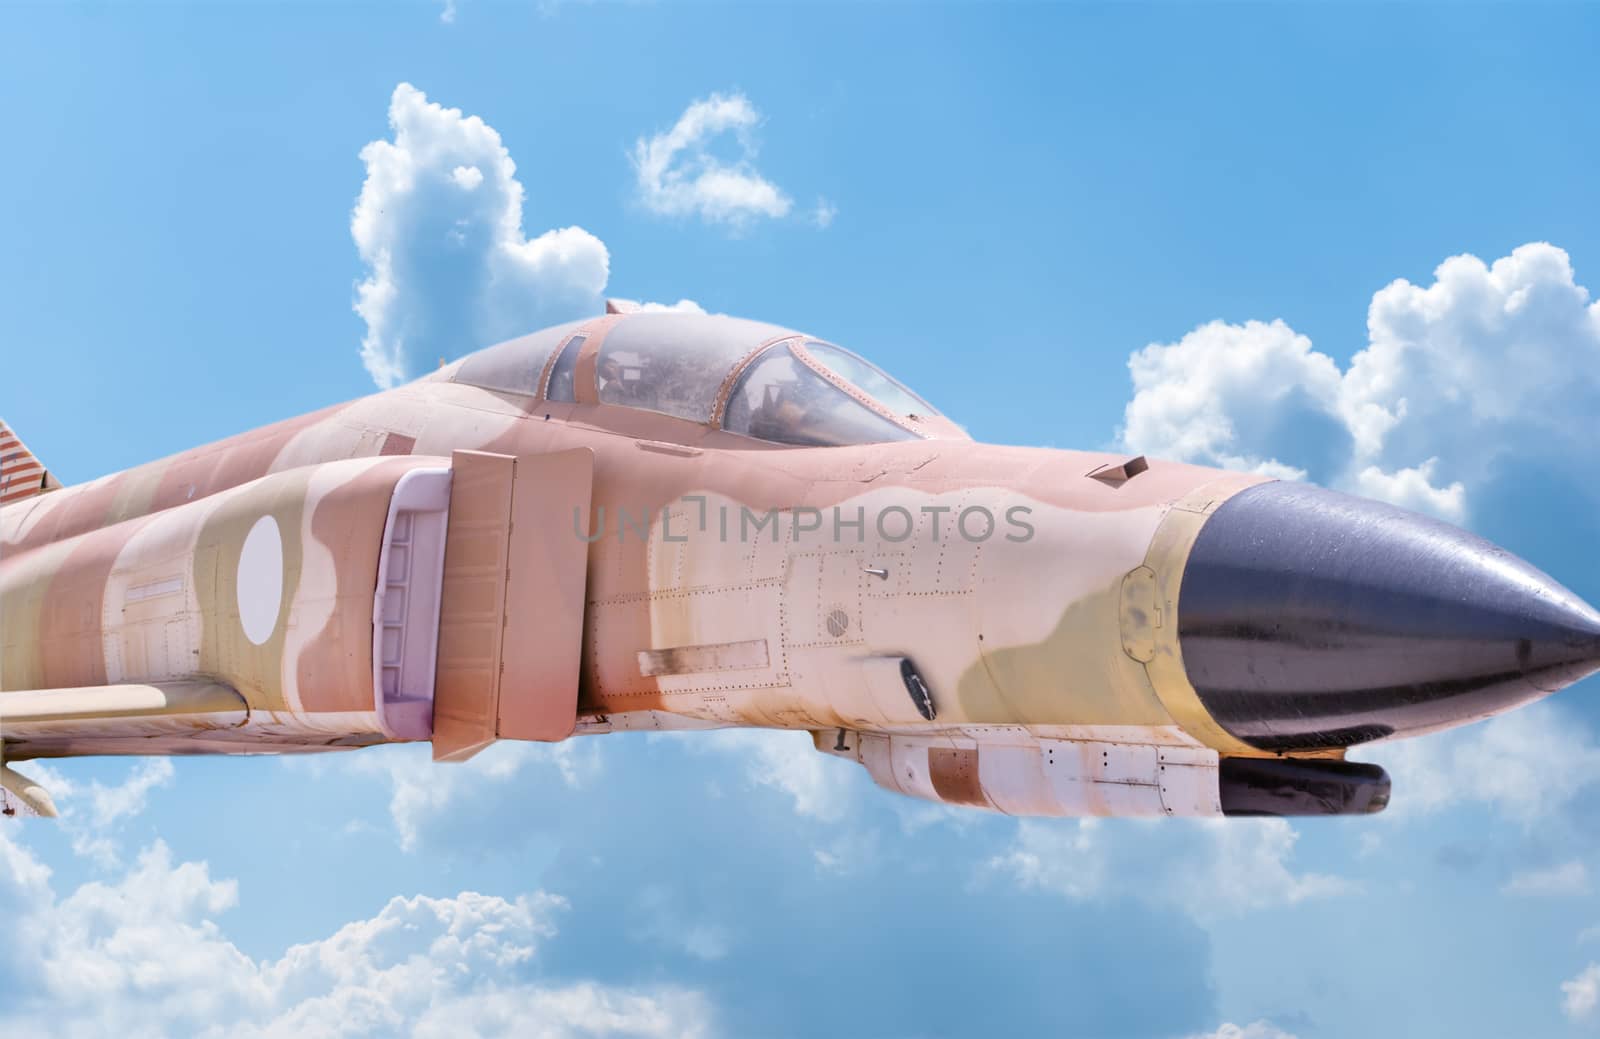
(260, 583)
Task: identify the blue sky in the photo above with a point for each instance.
(1022, 200)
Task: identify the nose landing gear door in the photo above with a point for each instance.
(511, 615)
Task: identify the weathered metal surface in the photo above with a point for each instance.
(472, 617)
(613, 557)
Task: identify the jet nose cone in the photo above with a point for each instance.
(1309, 619)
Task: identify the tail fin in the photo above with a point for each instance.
(21, 474)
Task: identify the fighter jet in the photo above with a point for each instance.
(657, 521)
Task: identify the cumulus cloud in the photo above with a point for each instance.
(125, 799)
(1488, 363)
(1209, 868)
(1219, 393)
(1414, 488)
(1580, 995)
(144, 956)
(421, 793)
(1526, 765)
(819, 786)
(439, 226)
(93, 814)
(679, 173)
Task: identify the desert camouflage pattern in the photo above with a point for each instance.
(468, 558)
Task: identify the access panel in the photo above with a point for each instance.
(512, 604)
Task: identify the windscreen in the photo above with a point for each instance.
(516, 365)
(561, 376)
(781, 400)
(869, 379)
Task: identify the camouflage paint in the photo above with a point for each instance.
(1054, 674)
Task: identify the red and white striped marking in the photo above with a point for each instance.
(21, 474)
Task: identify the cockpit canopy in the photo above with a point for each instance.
(745, 377)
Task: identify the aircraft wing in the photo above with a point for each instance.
(55, 722)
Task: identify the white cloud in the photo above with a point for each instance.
(1255, 1030)
(1065, 858)
(679, 174)
(422, 792)
(1414, 489)
(1526, 764)
(439, 226)
(112, 803)
(1490, 362)
(1219, 393)
(819, 785)
(1567, 878)
(584, 1009)
(145, 956)
(1209, 868)
(1582, 993)
(683, 306)
(93, 814)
